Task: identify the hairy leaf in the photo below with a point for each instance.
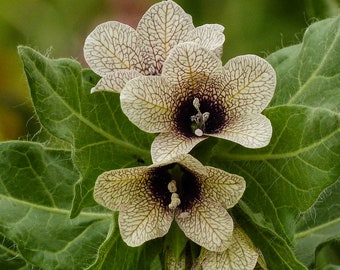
(319, 224)
(35, 201)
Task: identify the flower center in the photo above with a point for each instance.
(196, 116)
(199, 119)
(175, 187)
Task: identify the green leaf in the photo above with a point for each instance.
(94, 124)
(175, 241)
(10, 257)
(115, 254)
(278, 255)
(286, 177)
(274, 247)
(328, 255)
(36, 192)
(319, 224)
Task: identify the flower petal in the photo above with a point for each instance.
(252, 131)
(169, 145)
(241, 254)
(143, 219)
(161, 28)
(117, 187)
(220, 186)
(115, 81)
(187, 161)
(141, 216)
(249, 83)
(209, 36)
(190, 66)
(148, 103)
(208, 224)
(111, 46)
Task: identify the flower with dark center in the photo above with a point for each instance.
(149, 198)
(196, 97)
(118, 53)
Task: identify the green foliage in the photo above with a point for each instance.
(320, 223)
(42, 187)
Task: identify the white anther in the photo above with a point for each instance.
(184, 215)
(195, 118)
(198, 132)
(172, 186)
(174, 196)
(175, 201)
(196, 104)
(205, 116)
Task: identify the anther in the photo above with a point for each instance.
(172, 186)
(196, 104)
(175, 201)
(198, 132)
(184, 215)
(198, 119)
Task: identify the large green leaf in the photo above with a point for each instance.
(36, 192)
(102, 137)
(278, 255)
(303, 158)
(319, 224)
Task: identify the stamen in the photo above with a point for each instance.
(199, 119)
(184, 215)
(172, 186)
(198, 132)
(175, 201)
(196, 104)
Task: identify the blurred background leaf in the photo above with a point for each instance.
(59, 28)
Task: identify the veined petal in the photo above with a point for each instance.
(187, 161)
(115, 81)
(144, 219)
(209, 36)
(162, 27)
(111, 46)
(241, 254)
(252, 131)
(169, 145)
(141, 216)
(118, 187)
(248, 84)
(208, 224)
(148, 103)
(220, 186)
(192, 164)
(190, 66)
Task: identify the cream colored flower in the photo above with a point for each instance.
(240, 255)
(118, 53)
(196, 97)
(150, 198)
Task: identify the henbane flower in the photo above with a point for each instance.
(118, 53)
(149, 198)
(196, 97)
